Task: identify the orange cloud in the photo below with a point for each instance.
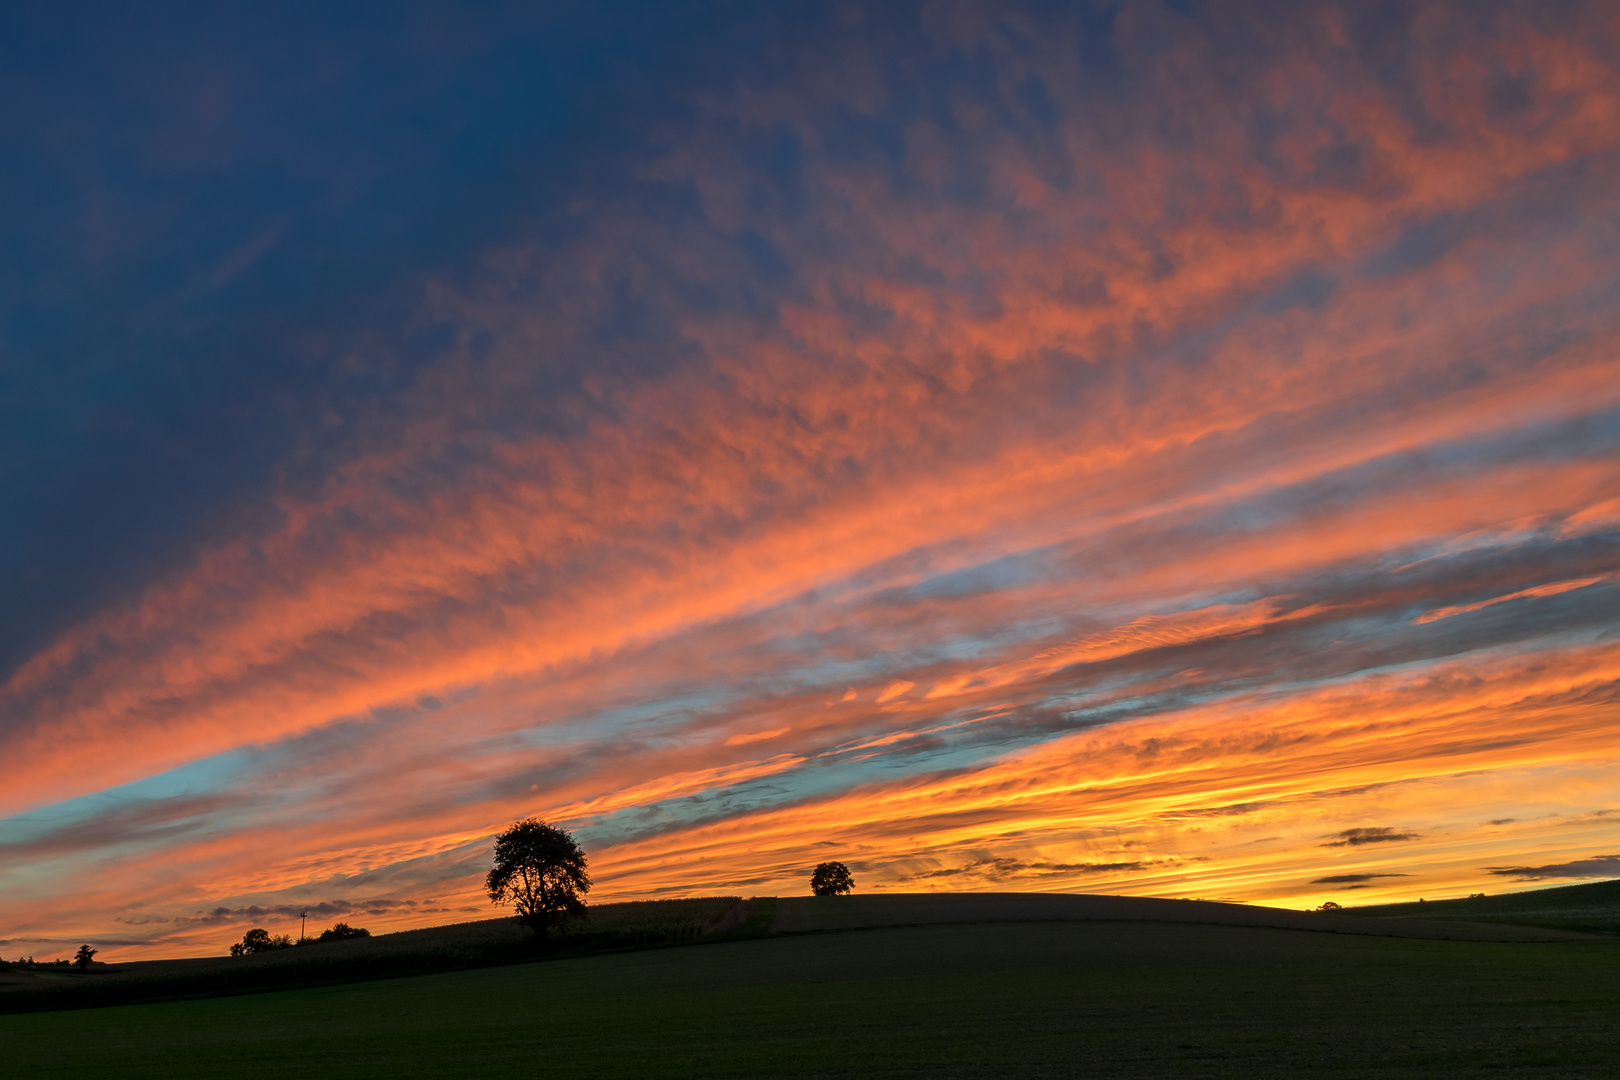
(1553, 589)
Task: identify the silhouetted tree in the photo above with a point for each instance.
(259, 940)
(831, 879)
(1330, 906)
(343, 932)
(541, 871)
(84, 956)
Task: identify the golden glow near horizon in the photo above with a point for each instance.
(1177, 515)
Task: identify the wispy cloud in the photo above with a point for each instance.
(1373, 835)
(1523, 594)
(1598, 866)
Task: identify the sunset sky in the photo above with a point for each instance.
(1159, 448)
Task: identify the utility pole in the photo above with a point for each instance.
(303, 917)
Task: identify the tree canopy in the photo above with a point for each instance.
(343, 932)
(831, 879)
(259, 940)
(84, 956)
(540, 870)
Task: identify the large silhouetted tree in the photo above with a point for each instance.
(540, 871)
(84, 956)
(831, 878)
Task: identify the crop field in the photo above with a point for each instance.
(1026, 998)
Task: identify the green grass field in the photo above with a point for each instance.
(1094, 999)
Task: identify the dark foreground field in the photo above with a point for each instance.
(1052, 998)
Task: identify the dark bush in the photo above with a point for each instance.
(259, 940)
(343, 932)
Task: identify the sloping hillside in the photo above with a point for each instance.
(1593, 908)
(800, 914)
(488, 942)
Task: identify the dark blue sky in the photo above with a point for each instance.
(216, 224)
(214, 227)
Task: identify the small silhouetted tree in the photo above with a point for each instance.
(1329, 906)
(343, 932)
(831, 879)
(259, 940)
(540, 871)
(84, 956)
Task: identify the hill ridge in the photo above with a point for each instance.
(809, 914)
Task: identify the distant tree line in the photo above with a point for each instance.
(83, 958)
(30, 962)
(260, 940)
